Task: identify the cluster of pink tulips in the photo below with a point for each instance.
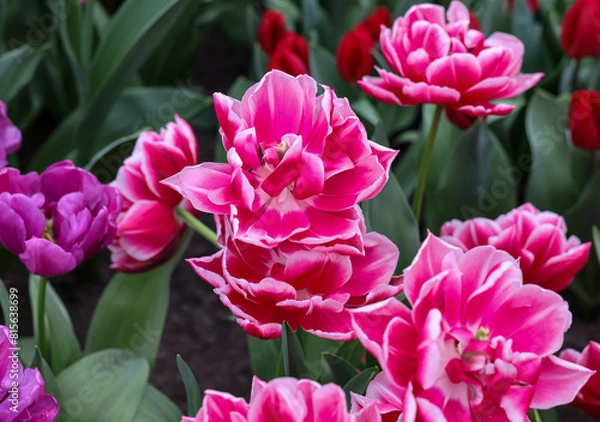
(471, 331)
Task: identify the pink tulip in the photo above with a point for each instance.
(588, 398)
(297, 164)
(27, 401)
(538, 239)
(55, 220)
(477, 345)
(282, 400)
(312, 287)
(10, 136)
(148, 231)
(438, 59)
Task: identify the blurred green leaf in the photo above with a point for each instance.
(132, 311)
(137, 108)
(64, 347)
(313, 347)
(27, 349)
(359, 383)
(156, 407)
(50, 383)
(106, 386)
(17, 68)
(529, 31)
(336, 370)
(133, 34)
(389, 213)
(477, 180)
(264, 356)
(324, 69)
(106, 162)
(192, 391)
(585, 213)
(596, 236)
(290, 10)
(294, 363)
(352, 351)
(4, 303)
(551, 185)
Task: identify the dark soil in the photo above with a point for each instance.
(198, 326)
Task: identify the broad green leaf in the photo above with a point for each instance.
(106, 386)
(64, 347)
(395, 118)
(132, 311)
(156, 407)
(106, 162)
(312, 16)
(366, 111)
(239, 87)
(552, 185)
(194, 396)
(548, 415)
(5, 303)
(260, 61)
(264, 356)
(133, 34)
(17, 68)
(359, 383)
(336, 370)
(585, 213)
(294, 364)
(529, 31)
(27, 349)
(352, 351)
(324, 69)
(390, 214)
(313, 348)
(477, 180)
(50, 383)
(136, 109)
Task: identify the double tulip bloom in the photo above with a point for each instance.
(354, 54)
(476, 344)
(436, 58)
(10, 136)
(55, 220)
(584, 120)
(148, 229)
(293, 236)
(588, 399)
(287, 50)
(538, 239)
(284, 400)
(34, 405)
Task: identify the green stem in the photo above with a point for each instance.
(575, 79)
(198, 226)
(41, 314)
(534, 415)
(426, 161)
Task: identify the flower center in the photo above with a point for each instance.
(482, 334)
(49, 231)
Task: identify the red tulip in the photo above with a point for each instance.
(581, 29)
(584, 120)
(271, 30)
(474, 21)
(290, 55)
(373, 22)
(354, 58)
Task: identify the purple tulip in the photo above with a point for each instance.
(22, 396)
(55, 220)
(10, 136)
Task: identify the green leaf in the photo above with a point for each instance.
(132, 311)
(548, 415)
(390, 214)
(27, 349)
(4, 303)
(264, 356)
(64, 347)
(156, 407)
(596, 236)
(552, 185)
(359, 383)
(106, 162)
(313, 348)
(477, 180)
(17, 68)
(50, 383)
(106, 386)
(294, 364)
(133, 34)
(324, 69)
(336, 370)
(529, 31)
(137, 108)
(585, 213)
(352, 351)
(312, 15)
(192, 391)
